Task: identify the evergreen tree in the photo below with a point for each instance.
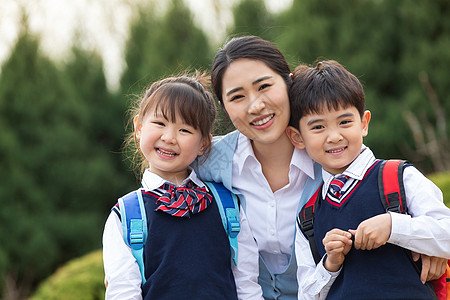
(162, 46)
(251, 17)
(59, 174)
(386, 45)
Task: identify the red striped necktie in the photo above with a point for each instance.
(336, 185)
(180, 201)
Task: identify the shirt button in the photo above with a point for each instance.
(272, 204)
(272, 232)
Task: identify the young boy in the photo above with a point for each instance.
(329, 120)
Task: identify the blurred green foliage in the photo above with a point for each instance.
(442, 180)
(62, 129)
(79, 279)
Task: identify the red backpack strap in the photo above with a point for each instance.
(305, 221)
(390, 186)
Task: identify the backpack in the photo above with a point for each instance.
(134, 220)
(392, 196)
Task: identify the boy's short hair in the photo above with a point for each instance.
(329, 85)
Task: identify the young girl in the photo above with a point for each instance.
(187, 253)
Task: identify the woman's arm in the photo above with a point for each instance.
(247, 270)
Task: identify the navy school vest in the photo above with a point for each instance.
(383, 273)
(186, 258)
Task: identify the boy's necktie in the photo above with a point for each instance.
(336, 185)
(180, 201)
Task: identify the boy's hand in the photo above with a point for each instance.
(372, 233)
(337, 244)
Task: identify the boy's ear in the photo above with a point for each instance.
(137, 127)
(365, 123)
(296, 137)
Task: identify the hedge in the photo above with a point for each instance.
(79, 279)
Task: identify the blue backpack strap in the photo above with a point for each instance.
(229, 212)
(134, 225)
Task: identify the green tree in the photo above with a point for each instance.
(59, 174)
(251, 17)
(387, 45)
(162, 46)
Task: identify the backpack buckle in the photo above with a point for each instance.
(307, 225)
(233, 226)
(394, 208)
(136, 233)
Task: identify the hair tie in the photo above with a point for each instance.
(291, 75)
(320, 66)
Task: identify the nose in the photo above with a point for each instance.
(256, 105)
(168, 136)
(334, 136)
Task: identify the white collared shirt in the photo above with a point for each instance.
(424, 230)
(121, 269)
(270, 216)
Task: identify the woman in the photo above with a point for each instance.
(251, 78)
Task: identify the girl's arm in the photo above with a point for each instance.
(121, 269)
(247, 270)
(314, 282)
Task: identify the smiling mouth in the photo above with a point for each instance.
(166, 153)
(263, 121)
(336, 150)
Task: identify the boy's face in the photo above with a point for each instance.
(333, 138)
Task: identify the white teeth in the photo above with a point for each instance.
(166, 152)
(263, 121)
(335, 151)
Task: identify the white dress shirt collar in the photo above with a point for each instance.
(151, 181)
(244, 155)
(356, 170)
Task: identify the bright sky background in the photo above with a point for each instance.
(102, 23)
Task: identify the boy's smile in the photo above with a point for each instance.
(333, 138)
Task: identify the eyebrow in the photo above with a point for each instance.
(253, 83)
(344, 115)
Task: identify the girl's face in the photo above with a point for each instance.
(169, 147)
(256, 100)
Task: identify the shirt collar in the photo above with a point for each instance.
(244, 152)
(356, 170)
(300, 159)
(151, 181)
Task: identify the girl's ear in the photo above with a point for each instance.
(205, 144)
(137, 127)
(365, 123)
(296, 137)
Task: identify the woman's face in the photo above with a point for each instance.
(256, 100)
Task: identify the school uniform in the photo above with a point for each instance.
(385, 272)
(184, 257)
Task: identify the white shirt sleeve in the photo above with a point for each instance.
(314, 282)
(121, 269)
(426, 229)
(247, 270)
